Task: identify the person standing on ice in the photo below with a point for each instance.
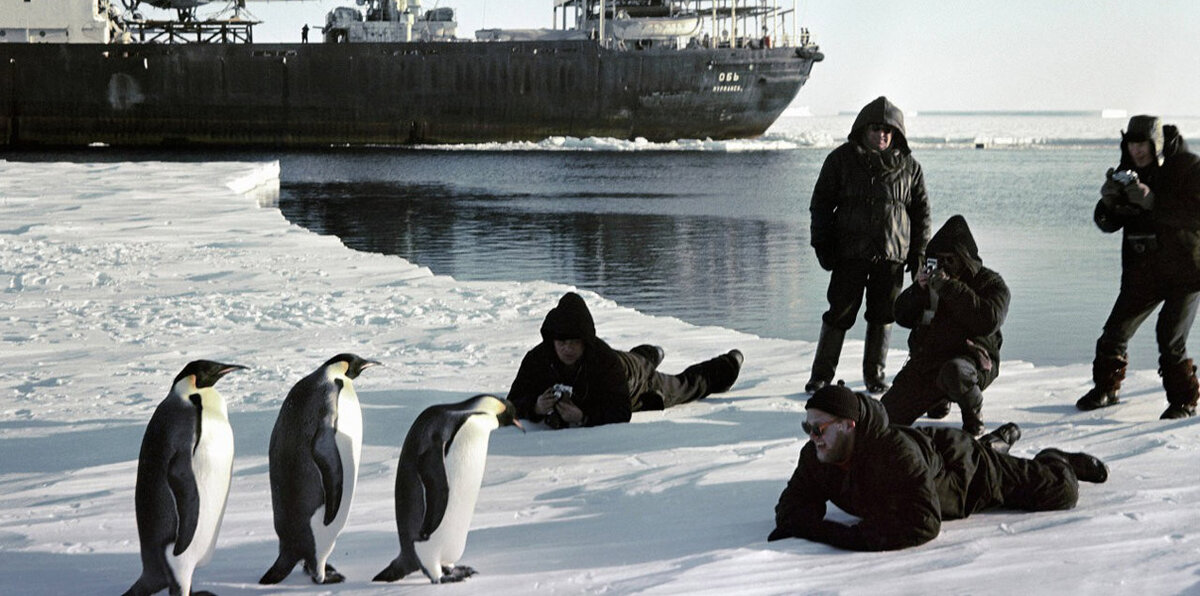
(1154, 195)
(574, 378)
(954, 307)
(902, 482)
(870, 222)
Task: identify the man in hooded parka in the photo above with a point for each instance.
(605, 385)
(870, 219)
(1159, 211)
(901, 482)
(955, 311)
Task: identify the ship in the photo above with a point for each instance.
(387, 72)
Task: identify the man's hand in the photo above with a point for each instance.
(545, 402)
(571, 414)
(1139, 194)
(938, 278)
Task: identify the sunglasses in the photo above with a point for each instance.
(816, 430)
(880, 128)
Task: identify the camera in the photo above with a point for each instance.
(930, 264)
(1125, 177)
(560, 391)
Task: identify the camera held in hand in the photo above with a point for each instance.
(931, 264)
(560, 391)
(1125, 177)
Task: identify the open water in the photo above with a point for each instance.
(717, 233)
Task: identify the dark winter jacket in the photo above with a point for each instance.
(969, 309)
(871, 205)
(901, 482)
(602, 380)
(1161, 246)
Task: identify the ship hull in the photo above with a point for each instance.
(293, 95)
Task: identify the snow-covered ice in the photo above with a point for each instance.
(113, 276)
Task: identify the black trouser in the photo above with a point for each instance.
(881, 282)
(922, 384)
(1134, 303)
(1035, 485)
(653, 390)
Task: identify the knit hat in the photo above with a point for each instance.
(1146, 128)
(837, 401)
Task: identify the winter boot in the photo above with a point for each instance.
(971, 404)
(1182, 389)
(1087, 468)
(829, 350)
(874, 357)
(652, 354)
(1002, 439)
(1107, 373)
(939, 410)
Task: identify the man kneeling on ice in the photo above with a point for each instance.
(901, 482)
(574, 378)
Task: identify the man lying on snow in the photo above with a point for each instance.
(574, 378)
(902, 482)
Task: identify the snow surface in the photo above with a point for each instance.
(116, 275)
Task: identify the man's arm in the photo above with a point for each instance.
(906, 514)
(920, 228)
(530, 382)
(801, 507)
(982, 312)
(822, 211)
(910, 304)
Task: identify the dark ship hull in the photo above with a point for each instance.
(292, 95)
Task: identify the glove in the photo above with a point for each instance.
(1112, 191)
(1139, 194)
(826, 256)
(914, 263)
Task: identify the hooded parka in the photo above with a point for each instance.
(901, 482)
(608, 385)
(871, 205)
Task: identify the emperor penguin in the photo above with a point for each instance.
(183, 479)
(314, 458)
(437, 483)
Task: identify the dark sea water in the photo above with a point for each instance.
(718, 237)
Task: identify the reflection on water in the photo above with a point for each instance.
(718, 239)
(705, 269)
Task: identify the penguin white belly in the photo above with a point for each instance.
(212, 465)
(464, 474)
(349, 444)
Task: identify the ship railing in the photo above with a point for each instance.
(720, 23)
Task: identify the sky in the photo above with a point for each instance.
(926, 56)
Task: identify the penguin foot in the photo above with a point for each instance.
(331, 576)
(456, 573)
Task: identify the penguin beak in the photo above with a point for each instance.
(228, 368)
(517, 423)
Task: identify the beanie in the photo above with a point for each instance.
(837, 401)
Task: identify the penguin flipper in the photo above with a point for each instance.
(329, 462)
(394, 571)
(432, 469)
(182, 482)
